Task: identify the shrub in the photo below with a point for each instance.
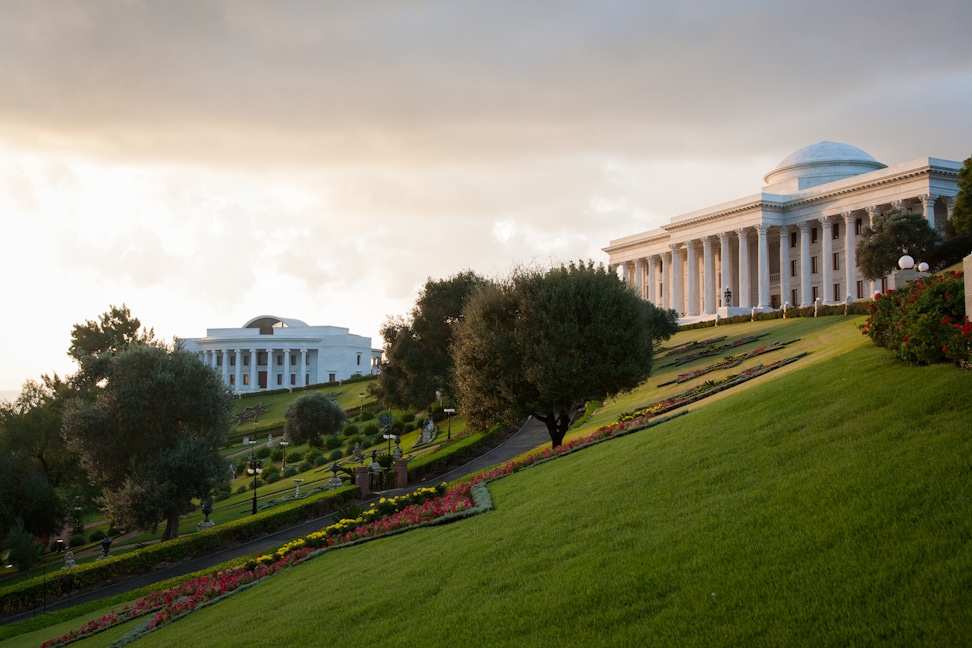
(96, 536)
(290, 471)
(332, 442)
(113, 532)
(334, 456)
(295, 456)
(272, 477)
(312, 455)
(276, 454)
(350, 429)
(321, 460)
(304, 466)
(263, 452)
(77, 540)
(923, 322)
(371, 429)
(241, 489)
(366, 415)
(408, 427)
(271, 470)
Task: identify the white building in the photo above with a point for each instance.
(793, 242)
(276, 352)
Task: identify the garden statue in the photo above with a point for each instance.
(357, 452)
(69, 560)
(270, 440)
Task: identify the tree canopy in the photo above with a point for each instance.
(543, 343)
(151, 434)
(312, 416)
(95, 340)
(962, 208)
(417, 361)
(893, 234)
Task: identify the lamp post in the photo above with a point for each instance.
(254, 467)
(360, 404)
(388, 436)
(449, 412)
(284, 444)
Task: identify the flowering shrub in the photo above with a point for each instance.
(923, 322)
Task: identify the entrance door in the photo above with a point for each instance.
(262, 379)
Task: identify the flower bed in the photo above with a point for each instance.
(712, 350)
(726, 363)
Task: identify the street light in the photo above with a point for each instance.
(388, 436)
(284, 444)
(254, 467)
(360, 404)
(449, 411)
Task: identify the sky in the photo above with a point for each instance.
(205, 162)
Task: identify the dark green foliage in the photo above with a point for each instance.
(334, 456)
(924, 322)
(96, 535)
(371, 429)
(350, 429)
(304, 466)
(26, 495)
(366, 415)
(962, 209)
(893, 234)
(24, 550)
(77, 540)
(270, 471)
(333, 442)
(417, 361)
(543, 343)
(290, 471)
(94, 343)
(276, 454)
(312, 416)
(262, 452)
(312, 455)
(151, 434)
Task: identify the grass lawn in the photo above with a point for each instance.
(828, 504)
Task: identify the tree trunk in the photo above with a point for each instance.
(557, 424)
(171, 525)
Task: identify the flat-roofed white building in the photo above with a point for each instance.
(794, 242)
(271, 352)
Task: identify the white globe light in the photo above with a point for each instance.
(922, 267)
(906, 262)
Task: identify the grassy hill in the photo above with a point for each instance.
(827, 503)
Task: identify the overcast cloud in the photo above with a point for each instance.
(206, 162)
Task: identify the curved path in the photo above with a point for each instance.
(531, 435)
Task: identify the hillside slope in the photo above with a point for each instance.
(831, 505)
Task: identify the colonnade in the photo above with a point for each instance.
(255, 368)
(815, 260)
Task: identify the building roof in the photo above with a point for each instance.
(265, 321)
(818, 164)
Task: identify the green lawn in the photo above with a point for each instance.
(828, 504)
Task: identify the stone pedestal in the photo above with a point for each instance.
(362, 479)
(401, 473)
(205, 525)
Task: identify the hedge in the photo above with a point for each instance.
(23, 596)
(462, 448)
(854, 308)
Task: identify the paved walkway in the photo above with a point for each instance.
(531, 435)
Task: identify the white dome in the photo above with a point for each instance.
(819, 164)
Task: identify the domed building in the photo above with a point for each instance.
(271, 352)
(792, 243)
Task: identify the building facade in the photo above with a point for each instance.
(793, 243)
(271, 352)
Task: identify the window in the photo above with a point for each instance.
(246, 379)
(813, 265)
(306, 379)
(793, 267)
(279, 379)
(331, 377)
(261, 357)
(307, 360)
(233, 360)
(359, 359)
(814, 293)
(293, 359)
(860, 290)
(293, 379)
(279, 361)
(836, 292)
(836, 260)
(858, 224)
(813, 234)
(835, 228)
(219, 360)
(232, 379)
(246, 360)
(793, 239)
(794, 298)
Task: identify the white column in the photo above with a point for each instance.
(254, 383)
(677, 278)
(850, 257)
(708, 277)
(785, 266)
(225, 353)
(826, 266)
(872, 213)
(724, 263)
(639, 265)
(763, 265)
(949, 205)
(301, 375)
(693, 279)
(928, 202)
(667, 282)
(286, 367)
(652, 292)
(238, 374)
(804, 264)
(271, 383)
(743, 288)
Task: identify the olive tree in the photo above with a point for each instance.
(542, 343)
(311, 416)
